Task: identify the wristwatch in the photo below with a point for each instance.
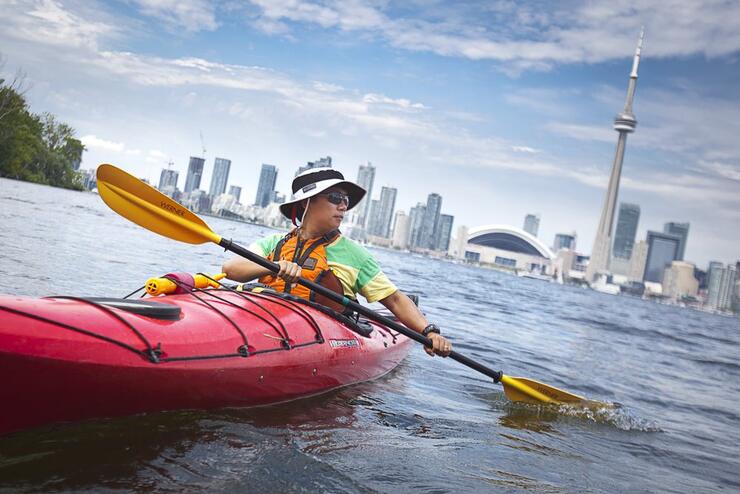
(432, 328)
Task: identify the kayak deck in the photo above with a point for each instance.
(71, 359)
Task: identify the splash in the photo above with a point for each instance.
(525, 415)
(612, 414)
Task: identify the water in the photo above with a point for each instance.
(432, 425)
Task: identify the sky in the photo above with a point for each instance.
(504, 108)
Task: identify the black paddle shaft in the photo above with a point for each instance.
(255, 258)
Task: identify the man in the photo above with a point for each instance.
(317, 251)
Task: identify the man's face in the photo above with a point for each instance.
(324, 212)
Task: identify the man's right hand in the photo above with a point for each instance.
(289, 271)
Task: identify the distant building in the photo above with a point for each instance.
(220, 177)
(319, 163)
(236, 191)
(88, 179)
(266, 186)
(458, 244)
(721, 285)
(680, 230)
(198, 201)
(386, 206)
(624, 236)
(224, 205)
(637, 262)
(444, 232)
(372, 225)
(662, 251)
(532, 224)
(168, 178)
(365, 179)
(679, 281)
(195, 173)
(507, 247)
(564, 241)
(430, 223)
(400, 230)
(416, 221)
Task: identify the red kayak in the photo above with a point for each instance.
(66, 358)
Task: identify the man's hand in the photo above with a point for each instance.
(440, 345)
(289, 271)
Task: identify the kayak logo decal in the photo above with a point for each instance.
(171, 208)
(344, 343)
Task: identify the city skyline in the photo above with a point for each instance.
(481, 110)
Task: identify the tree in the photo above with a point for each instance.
(35, 148)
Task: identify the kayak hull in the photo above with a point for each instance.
(55, 373)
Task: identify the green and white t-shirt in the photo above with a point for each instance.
(353, 265)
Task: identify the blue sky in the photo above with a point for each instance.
(503, 108)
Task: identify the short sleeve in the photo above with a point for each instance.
(265, 245)
(372, 283)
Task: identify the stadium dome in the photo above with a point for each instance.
(510, 239)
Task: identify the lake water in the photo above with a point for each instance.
(431, 425)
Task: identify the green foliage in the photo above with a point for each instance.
(36, 148)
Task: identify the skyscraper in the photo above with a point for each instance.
(564, 241)
(624, 123)
(386, 205)
(221, 168)
(236, 191)
(373, 218)
(400, 230)
(416, 221)
(532, 224)
(365, 179)
(636, 271)
(444, 232)
(266, 186)
(431, 221)
(721, 285)
(662, 251)
(681, 230)
(319, 163)
(168, 178)
(195, 172)
(624, 237)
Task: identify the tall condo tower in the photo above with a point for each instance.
(624, 123)
(365, 179)
(221, 168)
(195, 172)
(266, 186)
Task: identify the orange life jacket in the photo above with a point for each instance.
(311, 256)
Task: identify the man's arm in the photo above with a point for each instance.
(243, 270)
(240, 269)
(410, 316)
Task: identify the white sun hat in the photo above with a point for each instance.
(315, 181)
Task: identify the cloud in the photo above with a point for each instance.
(192, 15)
(580, 132)
(48, 22)
(524, 149)
(724, 170)
(400, 102)
(524, 37)
(91, 141)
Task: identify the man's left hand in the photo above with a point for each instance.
(440, 345)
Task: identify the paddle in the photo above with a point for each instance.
(147, 207)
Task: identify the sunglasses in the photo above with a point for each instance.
(337, 198)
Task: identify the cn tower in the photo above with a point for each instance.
(624, 123)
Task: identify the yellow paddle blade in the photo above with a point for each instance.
(531, 391)
(147, 207)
